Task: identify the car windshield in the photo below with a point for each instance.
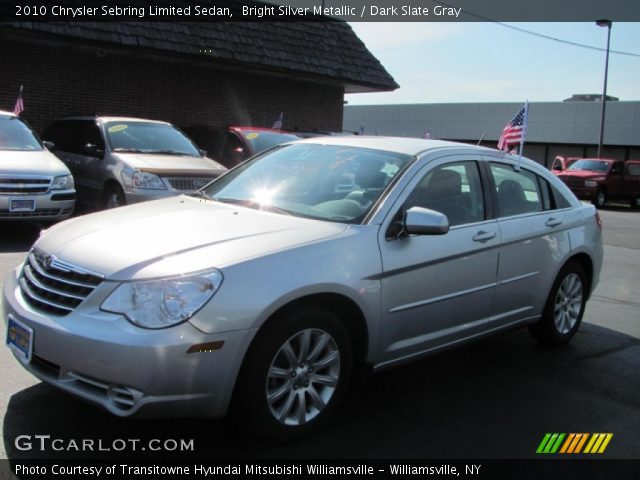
(590, 165)
(262, 140)
(149, 137)
(16, 135)
(327, 182)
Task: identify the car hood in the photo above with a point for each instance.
(40, 162)
(175, 236)
(586, 174)
(173, 163)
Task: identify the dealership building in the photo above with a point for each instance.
(569, 128)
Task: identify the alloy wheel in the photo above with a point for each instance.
(303, 377)
(568, 303)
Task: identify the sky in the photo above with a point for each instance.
(489, 62)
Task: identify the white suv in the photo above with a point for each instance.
(34, 184)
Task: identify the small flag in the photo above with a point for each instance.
(515, 131)
(361, 130)
(427, 133)
(277, 125)
(19, 106)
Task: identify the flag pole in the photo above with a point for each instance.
(524, 129)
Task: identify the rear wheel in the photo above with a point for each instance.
(113, 197)
(564, 309)
(295, 375)
(600, 199)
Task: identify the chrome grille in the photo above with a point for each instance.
(188, 184)
(24, 185)
(54, 286)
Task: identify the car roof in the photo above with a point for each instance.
(406, 145)
(4, 112)
(104, 118)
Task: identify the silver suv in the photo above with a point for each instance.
(117, 160)
(34, 184)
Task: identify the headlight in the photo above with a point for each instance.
(590, 183)
(163, 303)
(63, 182)
(147, 180)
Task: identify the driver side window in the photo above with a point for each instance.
(453, 189)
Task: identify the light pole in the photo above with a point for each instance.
(604, 23)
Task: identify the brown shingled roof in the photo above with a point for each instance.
(326, 50)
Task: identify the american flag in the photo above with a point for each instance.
(277, 125)
(514, 132)
(19, 106)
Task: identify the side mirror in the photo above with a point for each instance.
(423, 221)
(93, 150)
(203, 153)
(49, 145)
(558, 167)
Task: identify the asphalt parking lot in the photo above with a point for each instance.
(492, 399)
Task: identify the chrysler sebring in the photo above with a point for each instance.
(269, 290)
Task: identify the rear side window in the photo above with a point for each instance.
(65, 135)
(633, 169)
(517, 192)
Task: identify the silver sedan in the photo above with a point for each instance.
(269, 290)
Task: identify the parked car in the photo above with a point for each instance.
(560, 163)
(34, 185)
(118, 160)
(270, 289)
(602, 179)
(233, 145)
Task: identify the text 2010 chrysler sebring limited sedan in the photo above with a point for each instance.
(272, 287)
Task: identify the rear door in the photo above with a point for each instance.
(631, 182)
(534, 240)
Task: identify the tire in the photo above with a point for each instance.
(564, 308)
(282, 393)
(600, 199)
(113, 197)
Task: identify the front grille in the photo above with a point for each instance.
(188, 184)
(24, 185)
(40, 212)
(575, 182)
(53, 286)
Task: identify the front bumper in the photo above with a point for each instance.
(585, 193)
(53, 206)
(104, 359)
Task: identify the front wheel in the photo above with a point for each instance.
(295, 375)
(564, 309)
(600, 199)
(113, 197)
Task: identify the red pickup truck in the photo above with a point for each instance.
(603, 179)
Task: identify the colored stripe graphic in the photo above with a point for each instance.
(574, 443)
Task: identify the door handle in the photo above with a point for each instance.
(553, 222)
(483, 236)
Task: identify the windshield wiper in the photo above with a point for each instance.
(169, 152)
(129, 150)
(199, 194)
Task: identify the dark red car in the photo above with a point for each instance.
(604, 179)
(233, 145)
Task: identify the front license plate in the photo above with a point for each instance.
(20, 339)
(22, 205)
